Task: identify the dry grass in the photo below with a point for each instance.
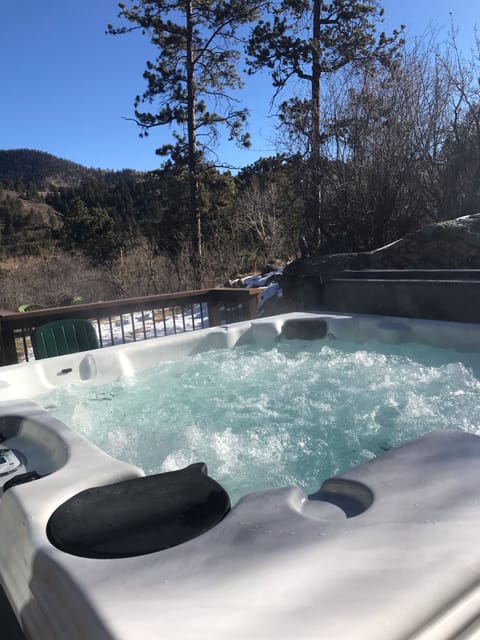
(49, 280)
(54, 277)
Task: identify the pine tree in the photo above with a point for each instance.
(306, 40)
(91, 231)
(189, 82)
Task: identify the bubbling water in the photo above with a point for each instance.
(293, 414)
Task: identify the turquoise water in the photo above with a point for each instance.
(293, 414)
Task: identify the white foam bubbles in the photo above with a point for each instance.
(296, 413)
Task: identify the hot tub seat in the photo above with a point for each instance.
(305, 328)
(140, 515)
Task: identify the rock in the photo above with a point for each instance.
(452, 244)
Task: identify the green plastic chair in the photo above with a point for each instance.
(63, 336)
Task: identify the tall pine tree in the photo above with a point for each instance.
(189, 82)
(306, 40)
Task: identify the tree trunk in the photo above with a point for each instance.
(195, 214)
(312, 212)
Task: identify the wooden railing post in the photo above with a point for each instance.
(8, 348)
(251, 307)
(214, 313)
(245, 299)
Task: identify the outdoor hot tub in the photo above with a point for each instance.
(91, 547)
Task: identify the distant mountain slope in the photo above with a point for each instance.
(37, 189)
(46, 214)
(30, 167)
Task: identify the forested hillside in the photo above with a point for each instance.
(64, 200)
(37, 169)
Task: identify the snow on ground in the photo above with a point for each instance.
(142, 325)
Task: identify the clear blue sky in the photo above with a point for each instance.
(66, 86)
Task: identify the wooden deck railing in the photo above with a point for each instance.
(131, 319)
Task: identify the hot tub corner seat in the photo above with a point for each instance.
(140, 515)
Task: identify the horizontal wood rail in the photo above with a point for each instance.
(131, 319)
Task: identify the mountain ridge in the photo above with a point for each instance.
(39, 168)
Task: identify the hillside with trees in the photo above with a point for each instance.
(20, 168)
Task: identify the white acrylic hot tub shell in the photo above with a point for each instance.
(279, 565)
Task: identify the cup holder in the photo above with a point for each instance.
(352, 497)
